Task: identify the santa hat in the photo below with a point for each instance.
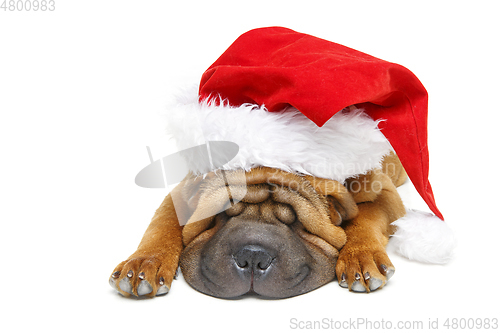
(303, 104)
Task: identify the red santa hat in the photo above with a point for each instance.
(303, 104)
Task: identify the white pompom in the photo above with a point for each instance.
(423, 237)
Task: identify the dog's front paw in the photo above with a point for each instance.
(362, 269)
(142, 276)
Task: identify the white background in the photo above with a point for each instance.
(81, 90)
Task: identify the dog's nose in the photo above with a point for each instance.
(253, 257)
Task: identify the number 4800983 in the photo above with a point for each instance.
(28, 5)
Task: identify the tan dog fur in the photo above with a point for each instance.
(354, 218)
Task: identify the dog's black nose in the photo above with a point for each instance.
(253, 257)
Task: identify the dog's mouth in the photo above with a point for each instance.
(254, 257)
(253, 280)
(256, 289)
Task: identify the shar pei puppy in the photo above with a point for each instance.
(288, 235)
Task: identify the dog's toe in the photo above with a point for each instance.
(375, 283)
(125, 285)
(357, 286)
(144, 288)
(162, 291)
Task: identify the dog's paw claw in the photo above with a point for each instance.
(112, 282)
(389, 272)
(343, 281)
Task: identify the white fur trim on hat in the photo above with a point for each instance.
(349, 144)
(423, 237)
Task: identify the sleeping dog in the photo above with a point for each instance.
(311, 194)
(288, 235)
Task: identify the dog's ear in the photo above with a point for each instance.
(210, 203)
(195, 208)
(208, 196)
(341, 203)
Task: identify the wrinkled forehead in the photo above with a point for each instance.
(280, 194)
